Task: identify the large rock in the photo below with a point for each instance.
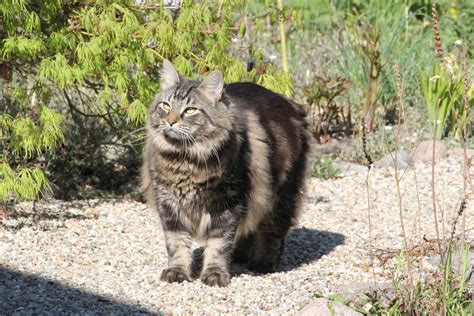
(403, 158)
(458, 153)
(424, 151)
(321, 307)
(332, 147)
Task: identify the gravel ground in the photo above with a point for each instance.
(107, 256)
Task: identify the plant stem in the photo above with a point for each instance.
(467, 185)
(397, 179)
(284, 56)
(369, 205)
(433, 192)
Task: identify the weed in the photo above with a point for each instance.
(326, 110)
(378, 144)
(443, 290)
(324, 168)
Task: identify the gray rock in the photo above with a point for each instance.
(457, 260)
(325, 307)
(348, 167)
(459, 153)
(332, 147)
(403, 158)
(354, 290)
(424, 151)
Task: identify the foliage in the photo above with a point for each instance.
(378, 144)
(325, 108)
(442, 292)
(443, 94)
(95, 65)
(325, 168)
(371, 39)
(21, 139)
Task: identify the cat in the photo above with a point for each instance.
(224, 165)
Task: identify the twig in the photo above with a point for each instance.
(284, 57)
(369, 204)
(467, 182)
(397, 180)
(433, 188)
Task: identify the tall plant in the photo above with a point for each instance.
(443, 88)
(443, 96)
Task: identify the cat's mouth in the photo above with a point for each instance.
(174, 135)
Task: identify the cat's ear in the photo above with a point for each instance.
(169, 75)
(213, 86)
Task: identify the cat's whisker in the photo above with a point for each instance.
(203, 158)
(214, 152)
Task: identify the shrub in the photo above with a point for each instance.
(94, 65)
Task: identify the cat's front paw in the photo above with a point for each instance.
(215, 278)
(174, 275)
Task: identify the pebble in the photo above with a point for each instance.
(106, 256)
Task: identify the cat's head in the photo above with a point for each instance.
(188, 115)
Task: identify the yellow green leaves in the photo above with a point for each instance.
(98, 64)
(22, 46)
(58, 71)
(50, 128)
(276, 80)
(137, 112)
(443, 94)
(28, 137)
(24, 183)
(183, 65)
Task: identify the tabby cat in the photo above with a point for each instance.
(224, 166)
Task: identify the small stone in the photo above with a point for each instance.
(403, 158)
(348, 167)
(325, 307)
(424, 151)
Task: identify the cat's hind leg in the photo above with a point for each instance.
(244, 248)
(272, 231)
(267, 252)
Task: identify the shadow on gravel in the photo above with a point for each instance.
(305, 245)
(26, 294)
(302, 246)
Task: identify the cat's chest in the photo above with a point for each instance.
(189, 204)
(186, 175)
(182, 194)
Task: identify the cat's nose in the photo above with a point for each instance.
(172, 118)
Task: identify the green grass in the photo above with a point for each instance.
(442, 292)
(325, 168)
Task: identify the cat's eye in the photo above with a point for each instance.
(190, 111)
(165, 106)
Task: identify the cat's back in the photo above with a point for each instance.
(277, 121)
(263, 101)
(283, 120)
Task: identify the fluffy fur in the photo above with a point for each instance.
(223, 165)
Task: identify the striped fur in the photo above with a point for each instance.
(223, 165)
